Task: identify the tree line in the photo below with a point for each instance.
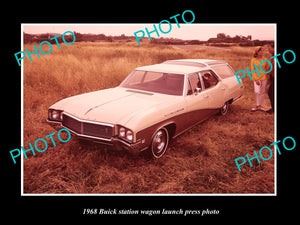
(222, 40)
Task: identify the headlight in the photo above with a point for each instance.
(55, 115)
(122, 132)
(129, 135)
(125, 134)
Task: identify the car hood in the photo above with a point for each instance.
(116, 105)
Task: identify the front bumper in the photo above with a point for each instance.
(119, 143)
(113, 141)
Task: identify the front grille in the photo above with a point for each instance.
(72, 124)
(87, 128)
(97, 130)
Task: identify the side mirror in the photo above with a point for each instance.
(197, 90)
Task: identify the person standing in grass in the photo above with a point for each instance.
(271, 88)
(260, 80)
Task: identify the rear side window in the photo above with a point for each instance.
(223, 71)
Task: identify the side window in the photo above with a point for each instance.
(209, 79)
(224, 71)
(194, 82)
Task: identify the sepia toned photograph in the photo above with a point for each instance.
(184, 112)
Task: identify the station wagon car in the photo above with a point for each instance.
(151, 106)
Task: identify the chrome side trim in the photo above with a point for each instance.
(172, 119)
(235, 99)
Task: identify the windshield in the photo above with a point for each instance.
(164, 83)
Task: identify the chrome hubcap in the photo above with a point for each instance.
(159, 142)
(224, 108)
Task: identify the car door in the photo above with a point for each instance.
(233, 89)
(214, 89)
(197, 101)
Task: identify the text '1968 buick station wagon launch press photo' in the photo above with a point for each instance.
(151, 106)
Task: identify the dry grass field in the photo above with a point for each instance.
(199, 161)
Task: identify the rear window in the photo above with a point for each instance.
(224, 71)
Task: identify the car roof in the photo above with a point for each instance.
(169, 68)
(196, 62)
(182, 66)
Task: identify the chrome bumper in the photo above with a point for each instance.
(113, 141)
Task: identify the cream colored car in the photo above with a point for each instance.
(151, 106)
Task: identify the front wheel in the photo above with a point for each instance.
(160, 142)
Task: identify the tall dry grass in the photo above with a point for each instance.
(199, 161)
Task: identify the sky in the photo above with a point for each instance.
(192, 31)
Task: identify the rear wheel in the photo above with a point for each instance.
(160, 142)
(224, 108)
